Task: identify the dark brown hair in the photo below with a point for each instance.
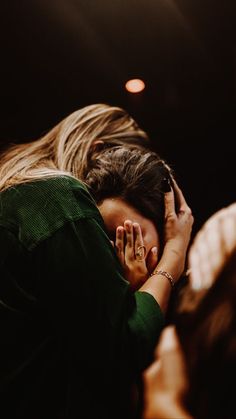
(135, 175)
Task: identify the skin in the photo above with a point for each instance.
(129, 230)
(116, 212)
(177, 231)
(166, 381)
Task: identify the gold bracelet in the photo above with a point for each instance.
(167, 275)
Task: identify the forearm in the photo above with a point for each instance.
(158, 285)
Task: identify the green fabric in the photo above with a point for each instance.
(73, 336)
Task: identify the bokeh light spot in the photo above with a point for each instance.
(135, 85)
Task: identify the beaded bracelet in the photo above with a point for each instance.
(167, 275)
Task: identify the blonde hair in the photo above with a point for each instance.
(66, 148)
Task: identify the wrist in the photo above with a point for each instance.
(172, 262)
(166, 274)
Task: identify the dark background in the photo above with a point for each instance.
(60, 55)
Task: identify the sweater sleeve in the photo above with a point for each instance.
(85, 287)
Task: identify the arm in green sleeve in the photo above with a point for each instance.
(86, 286)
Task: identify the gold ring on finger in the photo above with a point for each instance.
(140, 253)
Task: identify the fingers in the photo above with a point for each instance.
(139, 248)
(152, 259)
(170, 199)
(129, 249)
(182, 204)
(133, 254)
(120, 244)
(129, 242)
(169, 204)
(134, 249)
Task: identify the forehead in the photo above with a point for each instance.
(115, 211)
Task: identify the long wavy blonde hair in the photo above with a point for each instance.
(66, 148)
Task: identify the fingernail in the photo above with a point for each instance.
(119, 230)
(154, 251)
(166, 185)
(128, 225)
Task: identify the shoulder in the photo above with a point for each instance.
(35, 210)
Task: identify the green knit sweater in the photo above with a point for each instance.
(73, 335)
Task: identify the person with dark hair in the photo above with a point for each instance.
(128, 186)
(73, 334)
(196, 359)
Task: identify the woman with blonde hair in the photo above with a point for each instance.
(67, 147)
(72, 331)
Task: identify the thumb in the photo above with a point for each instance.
(152, 259)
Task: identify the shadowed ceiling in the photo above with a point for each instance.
(59, 55)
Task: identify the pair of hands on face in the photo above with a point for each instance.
(177, 231)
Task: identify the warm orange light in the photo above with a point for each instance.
(135, 85)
